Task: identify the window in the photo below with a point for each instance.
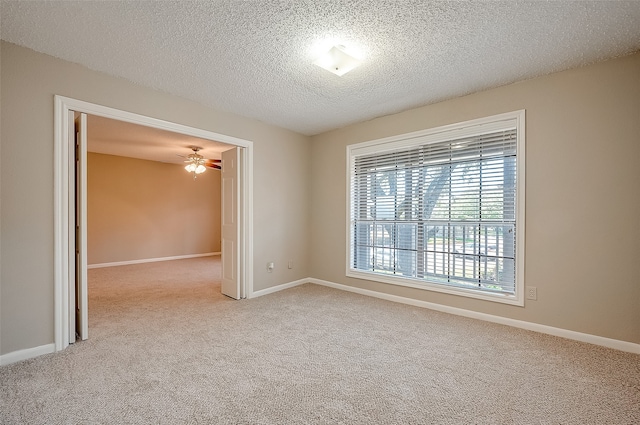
(442, 209)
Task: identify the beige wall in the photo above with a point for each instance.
(582, 196)
(29, 81)
(140, 209)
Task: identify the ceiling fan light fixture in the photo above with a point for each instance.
(195, 162)
(337, 61)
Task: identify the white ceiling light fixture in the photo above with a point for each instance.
(195, 162)
(337, 61)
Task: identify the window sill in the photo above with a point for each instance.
(435, 287)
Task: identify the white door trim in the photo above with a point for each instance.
(230, 178)
(63, 276)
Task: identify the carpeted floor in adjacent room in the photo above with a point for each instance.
(165, 347)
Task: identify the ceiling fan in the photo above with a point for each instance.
(197, 164)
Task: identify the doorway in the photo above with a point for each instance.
(64, 210)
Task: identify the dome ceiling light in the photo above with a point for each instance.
(337, 61)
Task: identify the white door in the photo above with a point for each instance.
(80, 301)
(231, 277)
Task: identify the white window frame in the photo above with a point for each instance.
(437, 135)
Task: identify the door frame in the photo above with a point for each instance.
(78, 302)
(64, 275)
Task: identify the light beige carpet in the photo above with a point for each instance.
(166, 348)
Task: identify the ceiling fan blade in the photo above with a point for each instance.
(214, 166)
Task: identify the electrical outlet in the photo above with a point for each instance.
(532, 293)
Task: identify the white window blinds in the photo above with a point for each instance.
(440, 211)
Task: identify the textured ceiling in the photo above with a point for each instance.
(255, 58)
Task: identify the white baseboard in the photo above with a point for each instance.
(550, 330)
(150, 260)
(28, 353)
(277, 288)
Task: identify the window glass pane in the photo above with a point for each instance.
(440, 212)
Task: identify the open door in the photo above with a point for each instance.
(78, 299)
(67, 301)
(231, 213)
